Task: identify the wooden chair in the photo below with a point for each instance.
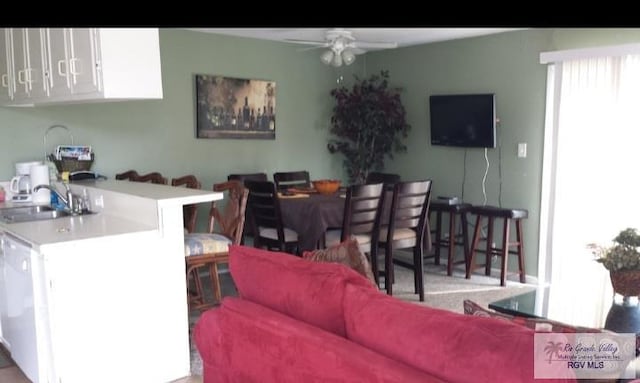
(248, 230)
(285, 180)
(208, 250)
(132, 175)
(189, 212)
(267, 219)
(248, 177)
(388, 179)
(154, 178)
(362, 213)
(406, 229)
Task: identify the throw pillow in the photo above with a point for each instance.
(347, 253)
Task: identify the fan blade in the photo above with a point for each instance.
(310, 48)
(308, 42)
(373, 45)
(358, 51)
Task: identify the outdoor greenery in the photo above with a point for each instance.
(369, 122)
(623, 254)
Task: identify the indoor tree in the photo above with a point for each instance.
(368, 123)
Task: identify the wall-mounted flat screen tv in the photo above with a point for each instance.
(464, 120)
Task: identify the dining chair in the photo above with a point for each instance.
(208, 250)
(389, 179)
(248, 230)
(132, 175)
(406, 230)
(285, 180)
(248, 177)
(189, 212)
(268, 228)
(361, 220)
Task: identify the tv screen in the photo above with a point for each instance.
(465, 120)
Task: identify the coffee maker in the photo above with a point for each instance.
(21, 184)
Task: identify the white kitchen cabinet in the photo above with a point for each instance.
(23, 306)
(6, 93)
(101, 290)
(84, 65)
(73, 59)
(27, 64)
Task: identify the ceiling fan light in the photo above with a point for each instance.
(348, 57)
(337, 60)
(327, 57)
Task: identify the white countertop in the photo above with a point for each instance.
(163, 193)
(71, 228)
(108, 222)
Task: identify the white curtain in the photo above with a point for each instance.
(597, 180)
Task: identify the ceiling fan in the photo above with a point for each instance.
(342, 46)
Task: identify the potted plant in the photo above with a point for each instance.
(369, 122)
(622, 259)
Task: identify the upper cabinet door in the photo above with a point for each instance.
(83, 60)
(6, 91)
(57, 62)
(20, 65)
(35, 69)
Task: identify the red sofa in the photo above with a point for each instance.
(301, 321)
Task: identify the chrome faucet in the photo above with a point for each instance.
(69, 199)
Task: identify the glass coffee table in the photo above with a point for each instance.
(623, 315)
(531, 304)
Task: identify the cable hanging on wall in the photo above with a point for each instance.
(484, 178)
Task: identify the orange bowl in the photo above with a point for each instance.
(326, 186)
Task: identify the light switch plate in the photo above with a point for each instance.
(522, 150)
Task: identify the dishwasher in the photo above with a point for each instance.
(23, 314)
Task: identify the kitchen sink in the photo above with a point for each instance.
(30, 213)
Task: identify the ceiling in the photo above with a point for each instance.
(402, 36)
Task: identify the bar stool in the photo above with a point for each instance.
(453, 211)
(508, 215)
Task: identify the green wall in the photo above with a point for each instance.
(159, 135)
(508, 65)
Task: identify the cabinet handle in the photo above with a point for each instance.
(28, 76)
(25, 265)
(73, 66)
(60, 71)
(4, 81)
(21, 79)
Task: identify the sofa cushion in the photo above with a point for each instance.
(451, 346)
(308, 291)
(245, 342)
(537, 324)
(347, 253)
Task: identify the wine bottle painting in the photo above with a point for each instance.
(228, 107)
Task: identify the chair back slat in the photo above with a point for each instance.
(285, 180)
(265, 212)
(230, 219)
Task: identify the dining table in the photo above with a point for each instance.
(312, 214)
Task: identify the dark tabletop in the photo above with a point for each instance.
(311, 217)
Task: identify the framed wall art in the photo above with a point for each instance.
(228, 107)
